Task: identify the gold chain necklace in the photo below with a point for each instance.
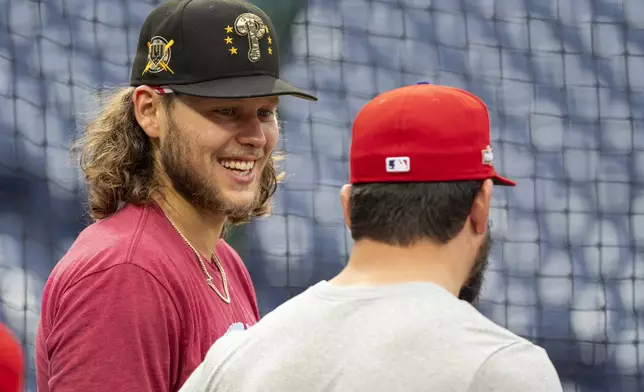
(209, 280)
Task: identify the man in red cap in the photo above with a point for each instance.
(11, 362)
(399, 317)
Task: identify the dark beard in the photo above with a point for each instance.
(472, 288)
(185, 179)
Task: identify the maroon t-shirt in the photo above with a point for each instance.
(128, 307)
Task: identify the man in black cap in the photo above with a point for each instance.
(187, 149)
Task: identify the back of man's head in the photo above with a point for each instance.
(421, 185)
(419, 157)
(404, 213)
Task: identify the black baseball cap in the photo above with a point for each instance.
(210, 48)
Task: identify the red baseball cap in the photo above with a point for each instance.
(423, 133)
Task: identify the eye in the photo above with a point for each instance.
(266, 113)
(226, 112)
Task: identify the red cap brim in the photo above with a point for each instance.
(498, 180)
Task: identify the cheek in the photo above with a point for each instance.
(197, 156)
(271, 132)
(206, 147)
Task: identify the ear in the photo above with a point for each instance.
(481, 208)
(345, 199)
(147, 108)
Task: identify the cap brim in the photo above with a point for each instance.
(241, 87)
(498, 180)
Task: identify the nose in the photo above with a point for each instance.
(252, 133)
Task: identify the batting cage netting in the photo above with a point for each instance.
(564, 82)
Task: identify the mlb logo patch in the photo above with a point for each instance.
(397, 164)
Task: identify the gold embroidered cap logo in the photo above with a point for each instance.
(159, 54)
(253, 27)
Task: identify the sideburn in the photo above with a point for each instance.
(183, 178)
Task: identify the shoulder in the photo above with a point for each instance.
(224, 347)
(521, 366)
(130, 236)
(469, 332)
(480, 329)
(124, 294)
(218, 355)
(124, 290)
(439, 310)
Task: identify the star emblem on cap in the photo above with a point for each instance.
(229, 41)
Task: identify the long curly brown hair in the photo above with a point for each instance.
(117, 159)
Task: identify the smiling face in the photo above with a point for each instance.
(215, 150)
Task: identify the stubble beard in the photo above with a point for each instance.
(186, 180)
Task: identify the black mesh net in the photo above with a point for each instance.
(564, 84)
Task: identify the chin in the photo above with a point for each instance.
(241, 197)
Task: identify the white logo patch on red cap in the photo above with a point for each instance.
(488, 156)
(397, 164)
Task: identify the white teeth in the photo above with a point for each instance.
(238, 165)
(242, 173)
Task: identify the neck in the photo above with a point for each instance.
(201, 229)
(376, 264)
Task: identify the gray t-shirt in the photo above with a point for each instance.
(403, 337)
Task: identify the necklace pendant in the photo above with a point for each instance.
(226, 299)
